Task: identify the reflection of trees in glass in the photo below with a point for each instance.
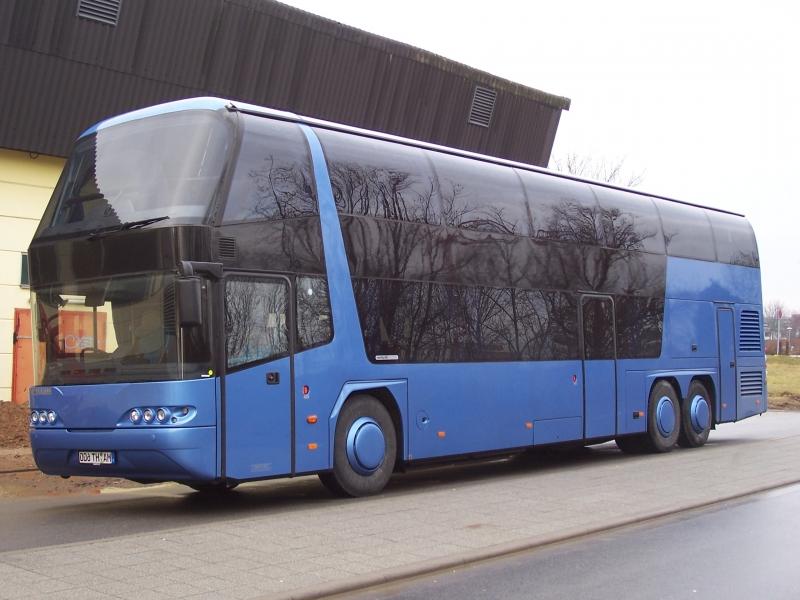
(277, 191)
(458, 211)
(384, 193)
(426, 322)
(570, 221)
(439, 276)
(255, 320)
(313, 312)
(640, 324)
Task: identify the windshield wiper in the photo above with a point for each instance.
(103, 231)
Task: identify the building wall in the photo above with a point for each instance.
(257, 51)
(26, 182)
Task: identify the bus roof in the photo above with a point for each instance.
(211, 103)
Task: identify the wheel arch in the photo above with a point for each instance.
(680, 382)
(392, 394)
(670, 379)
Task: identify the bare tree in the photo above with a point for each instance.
(773, 311)
(598, 169)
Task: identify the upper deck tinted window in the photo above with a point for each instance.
(630, 221)
(734, 239)
(480, 196)
(273, 177)
(380, 179)
(687, 231)
(562, 209)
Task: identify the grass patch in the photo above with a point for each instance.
(783, 382)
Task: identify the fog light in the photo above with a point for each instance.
(51, 417)
(161, 414)
(148, 415)
(34, 417)
(136, 415)
(42, 417)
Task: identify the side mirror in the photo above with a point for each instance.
(190, 300)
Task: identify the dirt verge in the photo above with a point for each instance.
(14, 425)
(19, 476)
(784, 402)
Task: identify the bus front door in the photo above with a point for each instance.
(599, 366)
(257, 436)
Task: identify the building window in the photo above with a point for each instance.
(24, 278)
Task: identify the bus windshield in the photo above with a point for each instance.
(167, 165)
(120, 329)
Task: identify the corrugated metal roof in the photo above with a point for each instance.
(62, 73)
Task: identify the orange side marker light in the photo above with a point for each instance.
(441, 434)
(528, 424)
(312, 446)
(311, 419)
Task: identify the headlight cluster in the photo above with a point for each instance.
(157, 415)
(43, 417)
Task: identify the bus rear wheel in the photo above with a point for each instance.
(364, 449)
(696, 417)
(663, 418)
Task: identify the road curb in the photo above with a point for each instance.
(460, 559)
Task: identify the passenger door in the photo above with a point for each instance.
(598, 342)
(258, 384)
(727, 363)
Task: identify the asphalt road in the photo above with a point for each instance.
(35, 522)
(744, 549)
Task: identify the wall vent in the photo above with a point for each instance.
(482, 106)
(749, 331)
(227, 248)
(751, 383)
(102, 11)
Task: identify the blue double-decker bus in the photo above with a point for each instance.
(225, 293)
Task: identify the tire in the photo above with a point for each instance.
(663, 418)
(697, 416)
(364, 449)
(632, 444)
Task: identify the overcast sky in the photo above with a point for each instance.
(703, 97)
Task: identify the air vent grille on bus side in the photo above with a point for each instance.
(169, 309)
(749, 331)
(227, 248)
(751, 383)
(102, 11)
(482, 106)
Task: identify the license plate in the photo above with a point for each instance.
(91, 457)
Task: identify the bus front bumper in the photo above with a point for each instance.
(165, 454)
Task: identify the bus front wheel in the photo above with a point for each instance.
(364, 449)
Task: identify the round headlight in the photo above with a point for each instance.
(148, 415)
(161, 414)
(42, 417)
(136, 415)
(34, 417)
(51, 417)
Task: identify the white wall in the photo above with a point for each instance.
(25, 187)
